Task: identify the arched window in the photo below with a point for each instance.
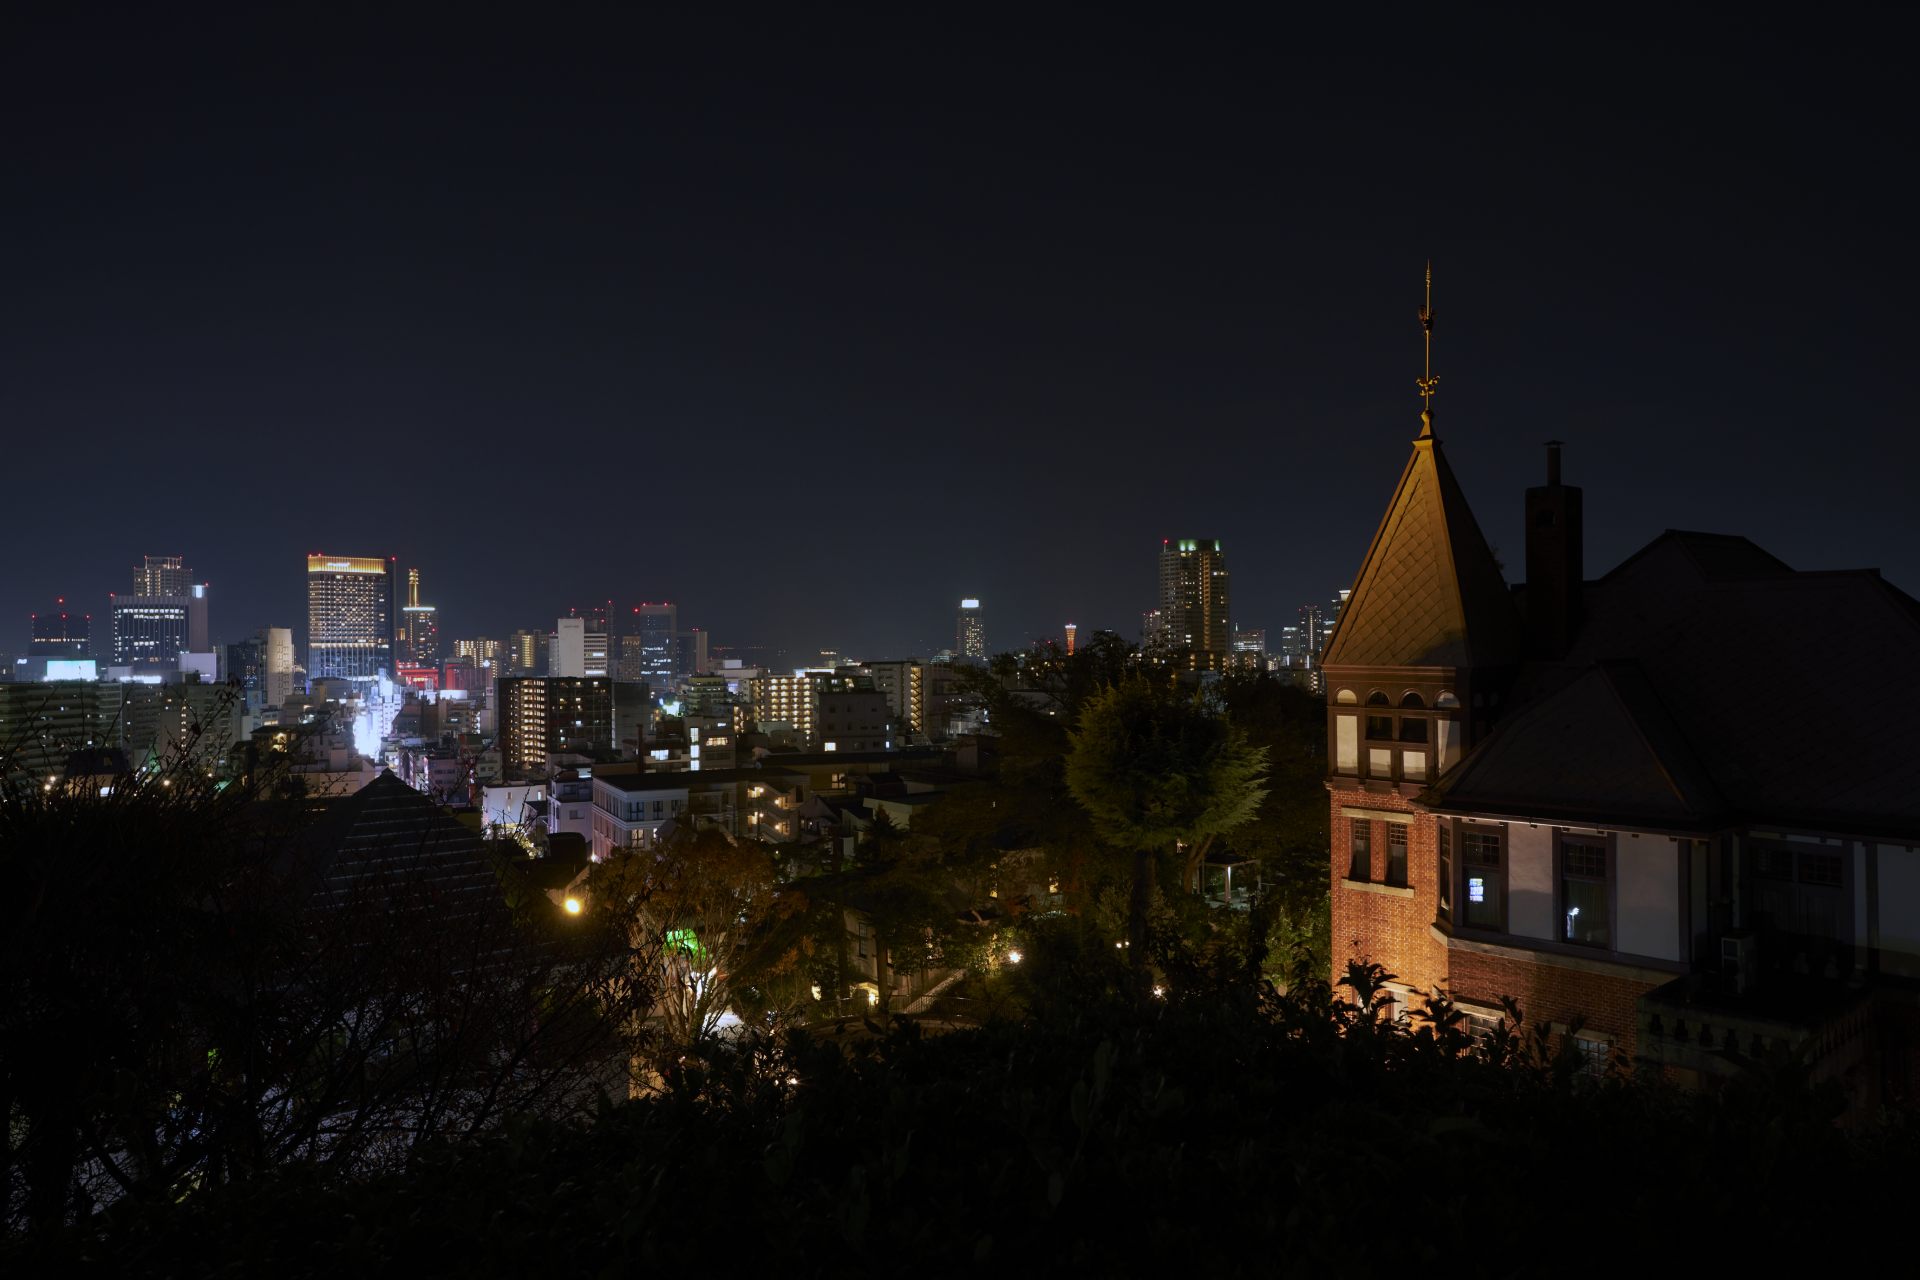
(1346, 697)
(1447, 698)
(1378, 698)
(1379, 728)
(1413, 702)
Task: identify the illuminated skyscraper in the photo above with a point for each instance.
(970, 631)
(419, 630)
(153, 630)
(1195, 613)
(352, 616)
(658, 629)
(1072, 632)
(161, 576)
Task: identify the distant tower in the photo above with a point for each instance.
(161, 576)
(1195, 612)
(419, 634)
(970, 630)
(351, 617)
(657, 627)
(1072, 631)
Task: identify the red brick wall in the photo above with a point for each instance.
(1604, 1005)
(1395, 932)
(1389, 930)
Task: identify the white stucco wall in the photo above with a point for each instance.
(1899, 910)
(1648, 896)
(1530, 881)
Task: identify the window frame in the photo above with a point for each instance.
(1360, 849)
(1608, 846)
(1498, 832)
(1443, 868)
(1397, 835)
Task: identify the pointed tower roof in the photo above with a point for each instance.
(1429, 593)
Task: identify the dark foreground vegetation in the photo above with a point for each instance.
(1239, 1132)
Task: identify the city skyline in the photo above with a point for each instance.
(1055, 337)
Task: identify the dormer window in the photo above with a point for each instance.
(1413, 728)
(1379, 727)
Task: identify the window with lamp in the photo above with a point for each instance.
(1586, 889)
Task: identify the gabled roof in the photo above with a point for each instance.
(1429, 593)
(1603, 744)
(1735, 686)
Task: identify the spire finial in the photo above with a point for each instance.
(1427, 382)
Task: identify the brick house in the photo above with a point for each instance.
(1668, 810)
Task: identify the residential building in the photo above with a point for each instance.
(527, 653)
(635, 809)
(1195, 621)
(352, 616)
(1599, 798)
(1250, 648)
(544, 716)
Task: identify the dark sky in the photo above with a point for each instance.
(815, 328)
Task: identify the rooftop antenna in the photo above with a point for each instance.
(1428, 382)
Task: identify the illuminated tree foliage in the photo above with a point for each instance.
(1156, 770)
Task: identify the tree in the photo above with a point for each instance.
(202, 979)
(705, 904)
(1155, 771)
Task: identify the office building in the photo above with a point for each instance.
(352, 614)
(1195, 624)
(1250, 648)
(568, 656)
(690, 653)
(657, 629)
(151, 632)
(970, 631)
(61, 633)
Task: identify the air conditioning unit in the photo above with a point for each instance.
(1740, 960)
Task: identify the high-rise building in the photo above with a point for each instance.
(1195, 612)
(61, 632)
(569, 654)
(690, 649)
(1313, 632)
(542, 715)
(152, 631)
(483, 653)
(1250, 648)
(970, 630)
(1339, 604)
(527, 653)
(1073, 633)
(657, 626)
(277, 676)
(352, 616)
(161, 576)
(418, 637)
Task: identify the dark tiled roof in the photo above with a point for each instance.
(1759, 693)
(1429, 593)
(391, 850)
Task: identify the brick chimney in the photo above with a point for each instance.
(1556, 562)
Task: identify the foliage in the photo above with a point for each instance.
(1155, 771)
(193, 990)
(1229, 1131)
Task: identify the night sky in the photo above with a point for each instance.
(815, 328)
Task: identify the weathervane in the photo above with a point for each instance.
(1429, 382)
